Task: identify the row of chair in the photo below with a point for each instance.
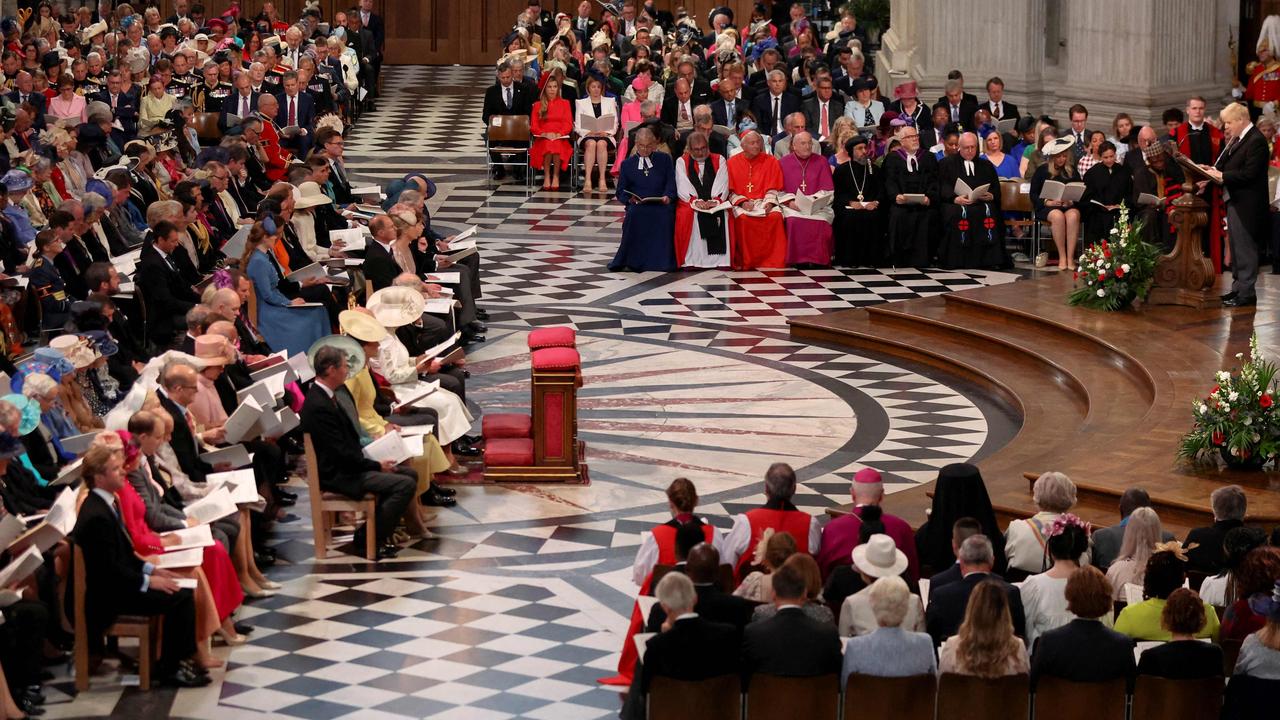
(958, 697)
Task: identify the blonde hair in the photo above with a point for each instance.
(986, 640)
(1234, 111)
(1141, 533)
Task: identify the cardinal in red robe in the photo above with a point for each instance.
(759, 240)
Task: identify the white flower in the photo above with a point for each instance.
(1098, 263)
(1239, 356)
(1125, 267)
(1203, 408)
(1115, 231)
(1223, 376)
(1233, 396)
(1102, 293)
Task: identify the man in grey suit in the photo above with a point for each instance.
(1107, 541)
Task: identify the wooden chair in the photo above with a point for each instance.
(1157, 698)
(771, 697)
(1230, 653)
(251, 305)
(145, 628)
(1059, 699)
(503, 136)
(718, 698)
(206, 125)
(323, 504)
(1250, 698)
(964, 697)
(1013, 200)
(886, 698)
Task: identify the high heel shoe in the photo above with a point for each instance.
(231, 640)
(266, 584)
(260, 593)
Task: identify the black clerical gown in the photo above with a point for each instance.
(1104, 186)
(1165, 182)
(909, 225)
(859, 234)
(973, 235)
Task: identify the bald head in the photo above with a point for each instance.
(225, 303)
(968, 145)
(1146, 137)
(702, 563)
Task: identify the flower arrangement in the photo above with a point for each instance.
(1238, 420)
(1116, 271)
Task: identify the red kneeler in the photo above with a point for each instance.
(544, 446)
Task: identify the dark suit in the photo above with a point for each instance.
(126, 111)
(231, 107)
(166, 294)
(671, 109)
(1208, 557)
(1007, 110)
(340, 184)
(968, 107)
(715, 605)
(113, 584)
(341, 465)
(1083, 651)
(37, 101)
(944, 578)
(495, 102)
(946, 607)
(1244, 188)
(184, 442)
(693, 649)
(813, 114)
(720, 112)
(762, 107)
(791, 644)
(1106, 542)
(304, 117)
(380, 268)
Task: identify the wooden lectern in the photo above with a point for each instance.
(1185, 276)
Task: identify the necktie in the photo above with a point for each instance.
(684, 112)
(867, 119)
(955, 113)
(777, 128)
(293, 111)
(823, 128)
(244, 106)
(113, 102)
(997, 111)
(507, 95)
(730, 118)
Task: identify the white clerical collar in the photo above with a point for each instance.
(645, 163)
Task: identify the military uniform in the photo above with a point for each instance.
(1264, 84)
(210, 99)
(180, 86)
(46, 283)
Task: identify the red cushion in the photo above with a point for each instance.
(559, 336)
(506, 425)
(559, 358)
(508, 451)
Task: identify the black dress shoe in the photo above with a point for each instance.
(1240, 302)
(263, 561)
(482, 314)
(388, 551)
(33, 695)
(460, 448)
(470, 338)
(1229, 296)
(442, 490)
(477, 327)
(185, 677)
(435, 499)
(466, 374)
(29, 708)
(472, 439)
(243, 628)
(285, 494)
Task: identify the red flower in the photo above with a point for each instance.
(1215, 389)
(1106, 253)
(1119, 272)
(962, 225)
(1244, 453)
(1101, 276)
(1218, 437)
(1265, 401)
(1075, 276)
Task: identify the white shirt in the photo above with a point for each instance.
(739, 537)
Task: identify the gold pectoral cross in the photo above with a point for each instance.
(750, 187)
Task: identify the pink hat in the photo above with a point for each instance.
(906, 90)
(867, 476)
(642, 82)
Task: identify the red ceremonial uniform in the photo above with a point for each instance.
(1213, 192)
(275, 158)
(665, 537)
(1264, 84)
(795, 522)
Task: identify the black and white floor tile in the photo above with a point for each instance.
(522, 601)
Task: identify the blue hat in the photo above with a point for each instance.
(100, 188)
(48, 361)
(431, 187)
(1267, 605)
(30, 412)
(17, 181)
(102, 342)
(393, 193)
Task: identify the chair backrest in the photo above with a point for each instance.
(964, 697)
(814, 698)
(900, 698)
(206, 125)
(1059, 699)
(251, 306)
(1012, 199)
(508, 128)
(1230, 653)
(1157, 698)
(77, 610)
(717, 698)
(313, 478)
(724, 576)
(1250, 698)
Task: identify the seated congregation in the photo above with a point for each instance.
(863, 597)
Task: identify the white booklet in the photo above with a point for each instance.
(1055, 190)
(435, 351)
(236, 456)
(189, 538)
(234, 247)
(189, 558)
(391, 447)
(456, 255)
(214, 506)
(21, 567)
(265, 391)
(302, 368)
(962, 188)
(419, 430)
(438, 306)
(369, 191)
(11, 528)
(415, 394)
(914, 199)
(720, 207)
(314, 270)
(56, 525)
(464, 239)
(239, 426)
(351, 239)
(78, 444)
(810, 206)
(1145, 199)
(445, 278)
(591, 123)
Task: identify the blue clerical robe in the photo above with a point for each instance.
(648, 230)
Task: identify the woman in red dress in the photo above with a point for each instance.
(551, 122)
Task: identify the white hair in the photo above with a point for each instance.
(675, 592)
(38, 385)
(889, 597)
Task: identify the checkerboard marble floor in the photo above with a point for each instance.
(522, 601)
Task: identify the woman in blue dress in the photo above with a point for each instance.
(284, 324)
(648, 230)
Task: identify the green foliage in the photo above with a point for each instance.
(1238, 420)
(1116, 271)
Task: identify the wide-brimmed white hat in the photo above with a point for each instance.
(397, 306)
(878, 557)
(361, 326)
(310, 195)
(1060, 145)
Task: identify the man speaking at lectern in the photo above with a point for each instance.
(1241, 169)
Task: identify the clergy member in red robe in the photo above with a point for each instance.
(702, 181)
(1202, 142)
(759, 241)
(777, 513)
(806, 173)
(840, 536)
(275, 158)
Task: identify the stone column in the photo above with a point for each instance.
(1140, 57)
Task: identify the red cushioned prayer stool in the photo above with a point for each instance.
(549, 337)
(506, 425)
(551, 451)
